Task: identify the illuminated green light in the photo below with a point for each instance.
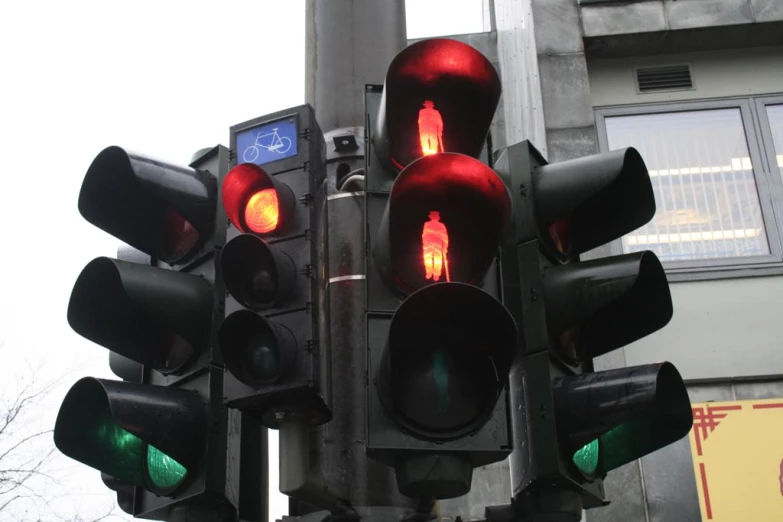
(164, 472)
(87, 431)
(586, 458)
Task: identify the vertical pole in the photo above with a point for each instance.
(349, 43)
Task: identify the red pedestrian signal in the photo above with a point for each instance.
(444, 218)
(430, 129)
(439, 96)
(440, 341)
(435, 247)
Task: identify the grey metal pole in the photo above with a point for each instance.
(349, 43)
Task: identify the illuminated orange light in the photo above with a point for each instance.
(435, 247)
(430, 129)
(262, 211)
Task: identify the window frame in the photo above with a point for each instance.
(765, 129)
(769, 185)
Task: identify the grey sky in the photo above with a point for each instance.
(163, 78)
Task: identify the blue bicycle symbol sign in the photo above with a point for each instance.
(270, 142)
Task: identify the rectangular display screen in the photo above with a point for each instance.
(268, 142)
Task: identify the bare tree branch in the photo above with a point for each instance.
(28, 491)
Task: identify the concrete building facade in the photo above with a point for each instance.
(697, 87)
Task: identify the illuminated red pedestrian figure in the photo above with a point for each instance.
(430, 129)
(435, 247)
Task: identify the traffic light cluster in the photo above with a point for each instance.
(219, 305)
(571, 311)
(274, 339)
(440, 341)
(482, 322)
(159, 430)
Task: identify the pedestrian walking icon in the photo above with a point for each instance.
(435, 247)
(430, 129)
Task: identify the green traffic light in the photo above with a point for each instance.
(88, 431)
(164, 472)
(587, 457)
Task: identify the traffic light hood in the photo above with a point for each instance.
(593, 200)
(164, 210)
(600, 305)
(149, 436)
(600, 407)
(160, 318)
(447, 358)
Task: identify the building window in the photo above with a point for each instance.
(714, 194)
(430, 18)
(705, 189)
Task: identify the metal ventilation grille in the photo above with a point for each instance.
(669, 78)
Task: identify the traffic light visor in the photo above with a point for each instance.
(109, 426)
(443, 222)
(600, 305)
(164, 210)
(447, 358)
(613, 417)
(586, 202)
(439, 96)
(256, 202)
(153, 316)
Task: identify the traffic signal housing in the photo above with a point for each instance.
(573, 425)
(275, 337)
(163, 430)
(166, 211)
(440, 341)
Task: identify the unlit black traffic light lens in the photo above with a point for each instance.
(256, 351)
(447, 358)
(446, 386)
(172, 353)
(263, 287)
(261, 360)
(178, 236)
(257, 274)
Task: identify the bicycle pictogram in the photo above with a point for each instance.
(271, 142)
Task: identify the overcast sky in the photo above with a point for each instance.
(163, 78)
